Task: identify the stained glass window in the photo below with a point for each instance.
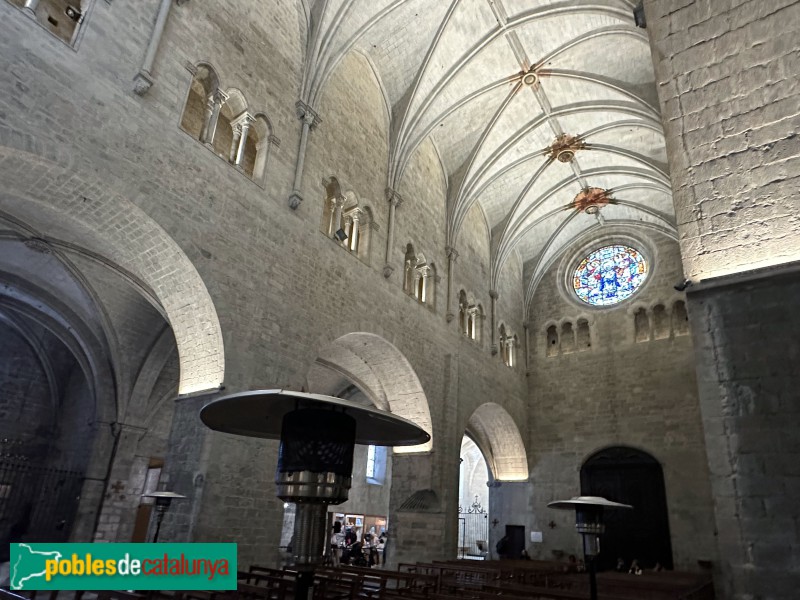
(609, 275)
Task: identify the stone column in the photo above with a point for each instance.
(452, 255)
(415, 286)
(185, 466)
(241, 128)
(143, 80)
(237, 134)
(310, 120)
(213, 105)
(354, 230)
(31, 6)
(730, 124)
(336, 224)
(493, 296)
(395, 200)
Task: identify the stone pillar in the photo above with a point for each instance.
(94, 483)
(310, 120)
(336, 216)
(354, 230)
(213, 105)
(123, 494)
(185, 467)
(493, 296)
(241, 126)
(729, 103)
(395, 200)
(452, 255)
(31, 6)
(143, 80)
(416, 292)
(237, 134)
(745, 330)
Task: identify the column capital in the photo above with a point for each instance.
(493, 294)
(393, 197)
(217, 97)
(307, 114)
(387, 271)
(452, 253)
(243, 120)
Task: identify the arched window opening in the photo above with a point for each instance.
(346, 220)
(473, 502)
(660, 322)
(583, 336)
(203, 103)
(508, 346)
(551, 339)
(463, 322)
(225, 138)
(641, 325)
(61, 18)
(258, 149)
(680, 319)
(567, 338)
(419, 277)
(376, 465)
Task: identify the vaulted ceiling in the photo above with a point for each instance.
(543, 112)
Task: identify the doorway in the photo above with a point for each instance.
(632, 477)
(515, 543)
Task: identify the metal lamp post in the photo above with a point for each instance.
(315, 461)
(163, 501)
(589, 523)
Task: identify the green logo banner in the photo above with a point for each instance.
(123, 566)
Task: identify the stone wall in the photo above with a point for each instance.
(748, 400)
(616, 393)
(729, 104)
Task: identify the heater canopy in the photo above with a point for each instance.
(260, 414)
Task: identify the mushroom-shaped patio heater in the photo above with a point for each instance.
(589, 523)
(163, 500)
(315, 460)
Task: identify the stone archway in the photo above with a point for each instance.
(497, 435)
(634, 477)
(380, 371)
(77, 208)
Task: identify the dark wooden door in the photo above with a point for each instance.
(516, 540)
(627, 475)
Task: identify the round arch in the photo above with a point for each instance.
(632, 476)
(79, 207)
(496, 434)
(380, 371)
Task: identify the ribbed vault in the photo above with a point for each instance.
(528, 102)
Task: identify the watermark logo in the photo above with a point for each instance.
(123, 566)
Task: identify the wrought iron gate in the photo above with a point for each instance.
(473, 532)
(37, 502)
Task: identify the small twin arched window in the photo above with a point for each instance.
(508, 346)
(419, 277)
(346, 219)
(61, 18)
(470, 317)
(223, 122)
